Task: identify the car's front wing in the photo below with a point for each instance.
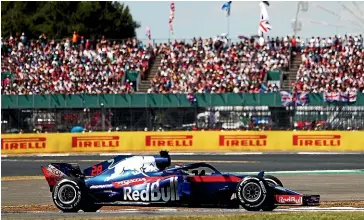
(298, 200)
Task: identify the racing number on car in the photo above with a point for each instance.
(96, 170)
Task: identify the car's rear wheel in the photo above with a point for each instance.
(254, 194)
(67, 195)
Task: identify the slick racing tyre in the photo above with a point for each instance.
(67, 195)
(254, 194)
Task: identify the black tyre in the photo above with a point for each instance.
(254, 194)
(67, 195)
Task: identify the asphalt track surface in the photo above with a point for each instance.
(331, 187)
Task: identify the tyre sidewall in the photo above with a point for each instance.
(76, 204)
(264, 196)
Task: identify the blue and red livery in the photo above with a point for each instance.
(149, 180)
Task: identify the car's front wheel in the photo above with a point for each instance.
(254, 194)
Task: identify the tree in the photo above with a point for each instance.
(59, 19)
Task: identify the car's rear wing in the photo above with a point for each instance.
(57, 171)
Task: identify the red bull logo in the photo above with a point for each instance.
(316, 140)
(154, 192)
(23, 143)
(169, 140)
(95, 141)
(242, 140)
(289, 199)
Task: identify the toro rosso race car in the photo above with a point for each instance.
(149, 180)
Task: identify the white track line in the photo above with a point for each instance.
(182, 154)
(51, 155)
(167, 210)
(244, 153)
(328, 153)
(317, 209)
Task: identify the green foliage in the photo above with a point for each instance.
(60, 19)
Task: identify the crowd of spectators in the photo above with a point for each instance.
(214, 66)
(332, 65)
(70, 66)
(78, 65)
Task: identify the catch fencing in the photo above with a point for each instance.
(170, 112)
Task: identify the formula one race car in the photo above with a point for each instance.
(148, 180)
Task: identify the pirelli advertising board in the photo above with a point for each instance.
(201, 141)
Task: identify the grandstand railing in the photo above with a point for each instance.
(157, 100)
(175, 112)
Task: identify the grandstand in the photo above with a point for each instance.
(113, 67)
(332, 67)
